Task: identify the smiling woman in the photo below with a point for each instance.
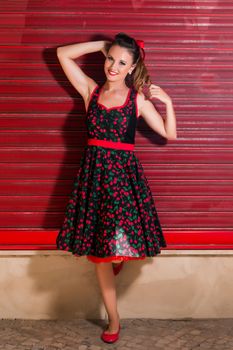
(111, 215)
(126, 58)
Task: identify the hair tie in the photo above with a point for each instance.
(141, 45)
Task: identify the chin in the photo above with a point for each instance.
(110, 78)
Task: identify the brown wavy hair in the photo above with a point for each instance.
(139, 75)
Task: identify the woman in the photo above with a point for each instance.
(111, 217)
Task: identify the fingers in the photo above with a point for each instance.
(154, 90)
(154, 87)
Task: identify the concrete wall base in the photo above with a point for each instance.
(175, 284)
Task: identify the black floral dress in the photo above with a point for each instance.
(110, 214)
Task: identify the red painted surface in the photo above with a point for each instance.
(12, 239)
(188, 53)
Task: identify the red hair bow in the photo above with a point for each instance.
(140, 43)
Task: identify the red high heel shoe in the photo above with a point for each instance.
(110, 338)
(117, 268)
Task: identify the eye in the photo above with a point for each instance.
(109, 58)
(123, 63)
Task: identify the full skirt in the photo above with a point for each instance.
(110, 214)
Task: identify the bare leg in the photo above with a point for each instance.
(107, 285)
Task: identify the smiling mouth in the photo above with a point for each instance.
(112, 73)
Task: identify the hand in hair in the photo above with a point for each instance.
(106, 47)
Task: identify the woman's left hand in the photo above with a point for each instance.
(154, 91)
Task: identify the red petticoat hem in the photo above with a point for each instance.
(97, 259)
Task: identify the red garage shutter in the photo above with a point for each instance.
(188, 48)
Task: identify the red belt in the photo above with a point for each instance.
(111, 144)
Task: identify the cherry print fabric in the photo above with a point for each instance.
(111, 214)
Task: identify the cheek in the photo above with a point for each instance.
(123, 69)
(106, 67)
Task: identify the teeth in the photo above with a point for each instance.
(112, 73)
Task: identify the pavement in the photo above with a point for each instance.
(136, 334)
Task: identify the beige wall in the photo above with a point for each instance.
(175, 284)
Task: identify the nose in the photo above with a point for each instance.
(114, 66)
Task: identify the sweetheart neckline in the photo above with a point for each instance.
(114, 107)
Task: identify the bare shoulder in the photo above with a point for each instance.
(149, 113)
(140, 98)
(142, 101)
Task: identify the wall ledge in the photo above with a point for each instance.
(164, 253)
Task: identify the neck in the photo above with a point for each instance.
(114, 85)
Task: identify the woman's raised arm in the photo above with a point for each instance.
(66, 55)
(167, 127)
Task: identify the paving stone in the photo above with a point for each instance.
(82, 347)
(136, 334)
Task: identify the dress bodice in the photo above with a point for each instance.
(113, 124)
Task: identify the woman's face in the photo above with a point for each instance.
(118, 63)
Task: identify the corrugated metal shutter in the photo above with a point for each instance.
(188, 53)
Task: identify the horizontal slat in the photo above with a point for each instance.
(159, 187)
(155, 56)
(160, 156)
(44, 89)
(89, 12)
(176, 239)
(177, 203)
(47, 120)
(187, 138)
(175, 220)
(106, 6)
(166, 4)
(165, 172)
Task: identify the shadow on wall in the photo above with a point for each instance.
(66, 286)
